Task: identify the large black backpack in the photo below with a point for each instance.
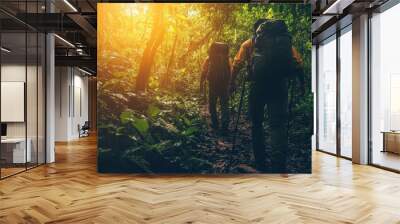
(219, 69)
(272, 59)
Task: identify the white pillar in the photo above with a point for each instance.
(314, 92)
(360, 90)
(50, 91)
(50, 98)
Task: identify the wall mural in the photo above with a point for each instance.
(204, 88)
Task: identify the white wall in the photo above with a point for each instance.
(71, 102)
(80, 110)
(62, 81)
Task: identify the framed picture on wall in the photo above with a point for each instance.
(204, 88)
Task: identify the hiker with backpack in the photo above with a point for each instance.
(271, 62)
(217, 71)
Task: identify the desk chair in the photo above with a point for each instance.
(84, 130)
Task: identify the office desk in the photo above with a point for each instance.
(391, 141)
(13, 150)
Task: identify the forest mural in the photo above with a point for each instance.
(204, 88)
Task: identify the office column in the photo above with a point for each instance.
(50, 98)
(50, 92)
(360, 90)
(314, 92)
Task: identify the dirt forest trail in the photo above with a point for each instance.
(220, 145)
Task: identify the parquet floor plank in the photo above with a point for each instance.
(71, 191)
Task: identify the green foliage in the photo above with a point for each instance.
(140, 124)
(160, 138)
(153, 111)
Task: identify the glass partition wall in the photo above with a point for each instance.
(327, 95)
(385, 89)
(13, 110)
(22, 98)
(334, 94)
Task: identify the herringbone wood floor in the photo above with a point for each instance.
(71, 191)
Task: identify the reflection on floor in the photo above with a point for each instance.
(387, 159)
(71, 191)
(8, 170)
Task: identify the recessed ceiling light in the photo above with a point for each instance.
(337, 7)
(5, 50)
(65, 41)
(84, 71)
(70, 5)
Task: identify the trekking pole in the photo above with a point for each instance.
(232, 109)
(291, 88)
(243, 86)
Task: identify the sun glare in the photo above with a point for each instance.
(136, 9)
(193, 13)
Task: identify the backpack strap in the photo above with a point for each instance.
(250, 57)
(250, 54)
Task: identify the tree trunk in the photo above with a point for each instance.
(166, 79)
(193, 46)
(156, 37)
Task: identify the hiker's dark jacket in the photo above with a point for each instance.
(205, 69)
(273, 97)
(217, 92)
